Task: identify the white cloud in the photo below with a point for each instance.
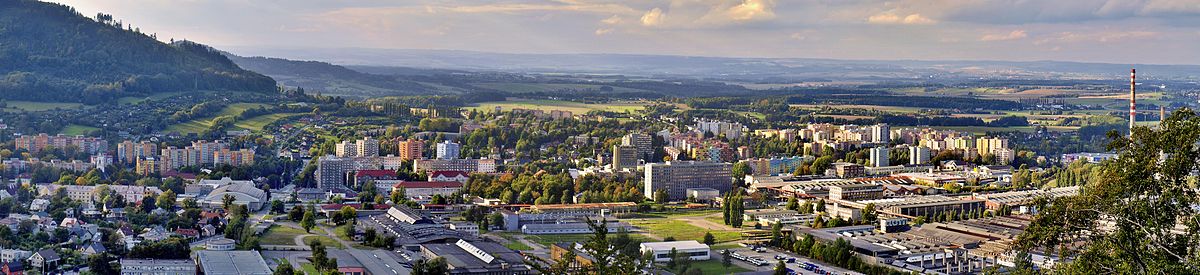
(615, 19)
(1013, 35)
(894, 19)
(1093, 37)
(751, 10)
(654, 17)
(603, 31)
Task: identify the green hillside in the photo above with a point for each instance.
(50, 52)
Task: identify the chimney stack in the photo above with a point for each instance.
(1162, 113)
(1132, 99)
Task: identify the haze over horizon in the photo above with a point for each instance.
(1123, 32)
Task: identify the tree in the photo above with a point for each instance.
(868, 213)
(309, 221)
(820, 207)
(672, 258)
(709, 239)
(296, 213)
(277, 207)
(777, 234)
(99, 264)
(793, 204)
(660, 196)
(226, 201)
(284, 268)
(1140, 196)
(435, 266)
(166, 200)
(781, 268)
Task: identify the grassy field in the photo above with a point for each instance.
(574, 107)
(713, 266)
(281, 235)
(258, 122)
(76, 129)
(309, 269)
(682, 230)
(30, 106)
(330, 243)
(200, 124)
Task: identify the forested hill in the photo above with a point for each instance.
(50, 52)
(331, 79)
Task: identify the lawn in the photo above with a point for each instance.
(281, 235)
(76, 129)
(548, 240)
(574, 107)
(682, 230)
(518, 246)
(324, 241)
(30, 106)
(200, 124)
(258, 122)
(713, 266)
(309, 269)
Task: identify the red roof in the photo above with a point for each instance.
(375, 173)
(187, 232)
(448, 174)
(429, 184)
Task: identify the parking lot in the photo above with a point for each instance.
(797, 265)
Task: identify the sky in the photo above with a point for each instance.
(1111, 31)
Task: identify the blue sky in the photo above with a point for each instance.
(1114, 31)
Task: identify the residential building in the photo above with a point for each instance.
(446, 176)
(129, 152)
(367, 147)
(642, 144)
(881, 133)
(87, 193)
(1088, 157)
(147, 166)
(624, 157)
(157, 267)
(692, 249)
(44, 261)
(703, 194)
(918, 155)
(426, 188)
(675, 177)
(12, 255)
(411, 149)
(879, 156)
(448, 150)
(34, 144)
(331, 171)
(464, 165)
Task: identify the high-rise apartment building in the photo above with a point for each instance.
(346, 148)
(129, 152)
(675, 177)
(447, 150)
(624, 156)
(367, 147)
(411, 149)
(881, 133)
(879, 157)
(918, 155)
(642, 143)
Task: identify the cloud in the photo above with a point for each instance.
(1014, 35)
(615, 19)
(603, 31)
(751, 10)
(654, 17)
(889, 18)
(1094, 37)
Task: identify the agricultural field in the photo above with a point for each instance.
(573, 107)
(76, 129)
(258, 122)
(200, 124)
(31, 106)
(546, 87)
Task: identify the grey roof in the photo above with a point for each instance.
(48, 254)
(462, 260)
(232, 262)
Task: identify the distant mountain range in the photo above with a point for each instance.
(739, 69)
(50, 52)
(331, 79)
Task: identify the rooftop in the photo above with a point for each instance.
(232, 262)
(679, 245)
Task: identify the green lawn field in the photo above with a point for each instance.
(200, 124)
(31, 106)
(76, 129)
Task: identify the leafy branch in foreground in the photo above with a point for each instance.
(1138, 216)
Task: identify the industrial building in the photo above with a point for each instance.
(692, 249)
(232, 262)
(483, 258)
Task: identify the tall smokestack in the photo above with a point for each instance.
(1162, 113)
(1132, 99)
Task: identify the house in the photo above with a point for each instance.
(208, 230)
(45, 259)
(39, 205)
(93, 248)
(444, 176)
(14, 255)
(187, 233)
(12, 268)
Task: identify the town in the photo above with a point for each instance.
(705, 196)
